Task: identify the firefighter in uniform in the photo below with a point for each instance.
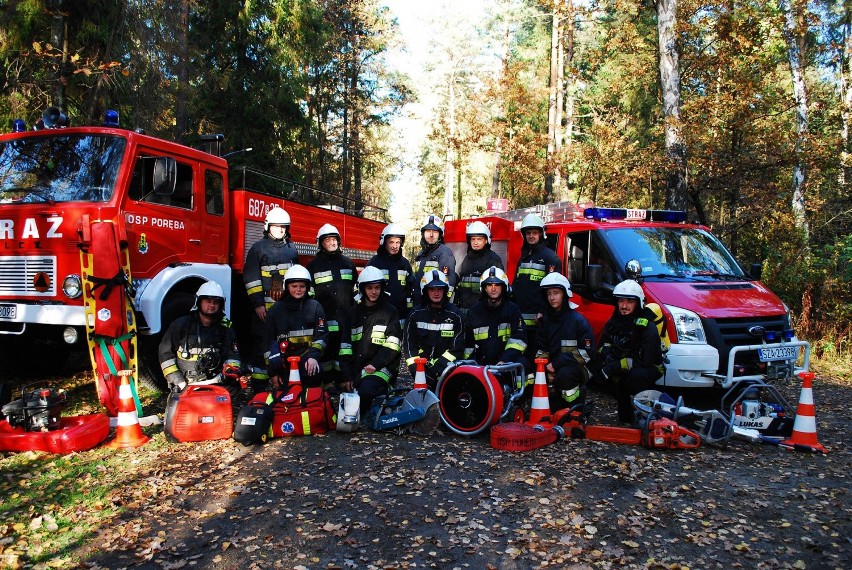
(494, 327)
(295, 326)
(370, 345)
(266, 265)
(202, 346)
(333, 274)
(630, 357)
(435, 329)
(395, 267)
(434, 254)
(478, 260)
(566, 339)
(537, 260)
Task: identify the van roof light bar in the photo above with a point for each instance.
(671, 216)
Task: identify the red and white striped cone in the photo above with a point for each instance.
(540, 407)
(129, 433)
(420, 375)
(295, 378)
(804, 436)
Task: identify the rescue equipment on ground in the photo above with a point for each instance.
(349, 412)
(201, 412)
(298, 411)
(129, 433)
(804, 437)
(420, 373)
(37, 409)
(540, 407)
(110, 318)
(403, 410)
(253, 423)
(473, 398)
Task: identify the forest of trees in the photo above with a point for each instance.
(737, 112)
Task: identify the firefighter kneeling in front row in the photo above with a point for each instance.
(202, 346)
(630, 358)
(435, 330)
(566, 339)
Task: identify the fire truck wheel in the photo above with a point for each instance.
(150, 372)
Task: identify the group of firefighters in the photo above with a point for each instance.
(350, 329)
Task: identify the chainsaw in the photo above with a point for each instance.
(403, 411)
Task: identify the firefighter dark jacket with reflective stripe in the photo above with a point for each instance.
(300, 323)
(436, 256)
(191, 352)
(334, 277)
(436, 335)
(399, 277)
(495, 334)
(631, 336)
(474, 264)
(267, 261)
(565, 338)
(535, 263)
(374, 336)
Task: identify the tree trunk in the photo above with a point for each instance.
(181, 118)
(59, 39)
(451, 153)
(670, 86)
(551, 173)
(845, 82)
(794, 54)
(569, 78)
(498, 143)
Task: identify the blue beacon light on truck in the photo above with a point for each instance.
(671, 216)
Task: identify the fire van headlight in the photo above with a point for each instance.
(687, 324)
(72, 286)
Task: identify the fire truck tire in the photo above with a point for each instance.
(150, 372)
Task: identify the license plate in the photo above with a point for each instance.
(778, 353)
(8, 311)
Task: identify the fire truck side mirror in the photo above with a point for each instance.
(594, 277)
(165, 175)
(756, 270)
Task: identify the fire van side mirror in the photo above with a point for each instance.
(594, 277)
(165, 175)
(756, 270)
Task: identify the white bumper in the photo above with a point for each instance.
(59, 315)
(689, 364)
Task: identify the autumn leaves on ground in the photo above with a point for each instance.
(375, 500)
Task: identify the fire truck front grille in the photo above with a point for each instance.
(30, 275)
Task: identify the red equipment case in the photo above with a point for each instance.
(199, 413)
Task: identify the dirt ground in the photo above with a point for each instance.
(379, 500)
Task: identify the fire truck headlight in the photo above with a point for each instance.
(688, 325)
(72, 286)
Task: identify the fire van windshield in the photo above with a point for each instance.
(60, 168)
(666, 252)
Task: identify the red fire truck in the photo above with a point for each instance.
(172, 222)
(723, 324)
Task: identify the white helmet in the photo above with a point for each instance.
(629, 289)
(494, 275)
(477, 228)
(297, 273)
(533, 221)
(433, 222)
(556, 280)
(392, 230)
(210, 290)
(278, 216)
(434, 278)
(327, 230)
(371, 274)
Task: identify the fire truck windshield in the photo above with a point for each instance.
(59, 168)
(673, 252)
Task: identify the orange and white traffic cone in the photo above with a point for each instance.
(129, 432)
(295, 378)
(420, 375)
(540, 407)
(804, 436)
